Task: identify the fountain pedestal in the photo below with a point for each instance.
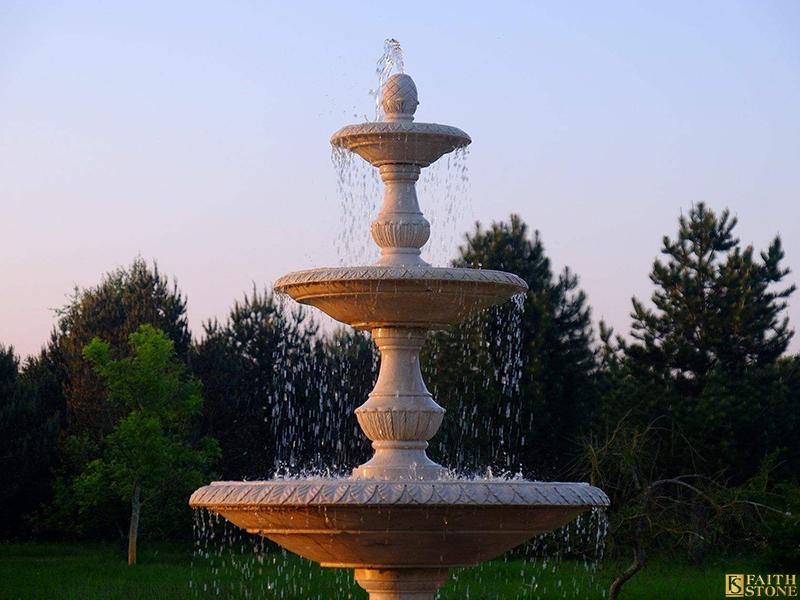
(400, 229)
(400, 415)
(401, 584)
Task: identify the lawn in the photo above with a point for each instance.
(99, 571)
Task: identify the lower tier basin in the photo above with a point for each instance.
(363, 524)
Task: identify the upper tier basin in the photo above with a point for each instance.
(365, 524)
(378, 296)
(406, 142)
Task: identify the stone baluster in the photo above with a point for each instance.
(400, 415)
(400, 229)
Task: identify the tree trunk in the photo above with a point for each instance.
(136, 508)
(633, 568)
(638, 549)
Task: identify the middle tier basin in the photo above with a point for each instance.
(416, 296)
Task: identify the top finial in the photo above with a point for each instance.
(399, 98)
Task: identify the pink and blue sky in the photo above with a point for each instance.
(196, 133)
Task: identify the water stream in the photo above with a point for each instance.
(389, 63)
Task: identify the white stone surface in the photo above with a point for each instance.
(400, 522)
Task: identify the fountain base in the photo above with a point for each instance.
(401, 584)
(400, 461)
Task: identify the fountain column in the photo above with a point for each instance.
(400, 415)
(400, 229)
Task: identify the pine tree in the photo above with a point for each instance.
(124, 300)
(715, 304)
(535, 402)
(28, 440)
(707, 354)
(254, 368)
(278, 395)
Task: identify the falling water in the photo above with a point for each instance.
(561, 564)
(230, 563)
(443, 191)
(507, 341)
(487, 349)
(315, 384)
(444, 197)
(359, 189)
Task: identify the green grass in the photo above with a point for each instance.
(99, 571)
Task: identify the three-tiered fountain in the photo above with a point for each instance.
(400, 521)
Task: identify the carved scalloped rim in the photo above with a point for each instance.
(361, 410)
(369, 273)
(270, 494)
(402, 127)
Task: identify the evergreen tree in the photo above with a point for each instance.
(28, 439)
(255, 369)
(124, 300)
(44, 375)
(278, 396)
(525, 375)
(716, 307)
(347, 370)
(707, 354)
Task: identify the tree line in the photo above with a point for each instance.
(691, 423)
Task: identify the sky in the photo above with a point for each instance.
(196, 134)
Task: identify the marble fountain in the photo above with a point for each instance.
(400, 521)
